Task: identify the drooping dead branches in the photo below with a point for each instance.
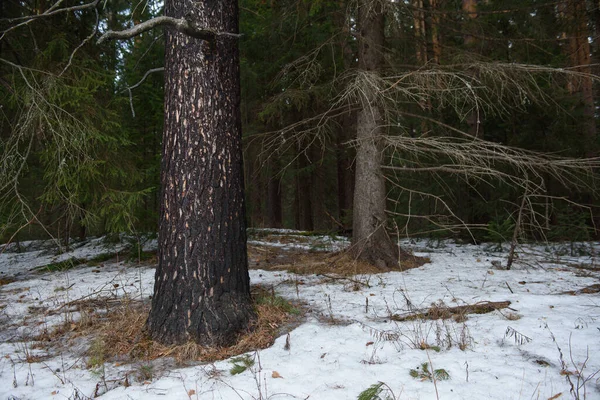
(445, 151)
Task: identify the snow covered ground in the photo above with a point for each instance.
(347, 341)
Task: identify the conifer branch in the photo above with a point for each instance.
(53, 10)
(180, 25)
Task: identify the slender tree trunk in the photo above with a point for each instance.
(303, 193)
(469, 8)
(420, 33)
(369, 237)
(202, 287)
(274, 210)
(253, 187)
(436, 45)
(318, 194)
(347, 127)
(575, 35)
(345, 169)
(81, 222)
(581, 57)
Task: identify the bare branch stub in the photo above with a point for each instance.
(179, 24)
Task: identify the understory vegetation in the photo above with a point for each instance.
(475, 97)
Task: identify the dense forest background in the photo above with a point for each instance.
(81, 122)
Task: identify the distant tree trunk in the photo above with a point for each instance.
(469, 8)
(274, 210)
(304, 219)
(81, 222)
(468, 193)
(320, 219)
(346, 128)
(345, 169)
(436, 45)
(202, 287)
(370, 240)
(420, 32)
(578, 49)
(253, 188)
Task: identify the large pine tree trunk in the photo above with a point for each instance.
(202, 288)
(369, 237)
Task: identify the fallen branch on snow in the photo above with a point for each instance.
(442, 312)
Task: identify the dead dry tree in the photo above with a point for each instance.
(479, 88)
(475, 161)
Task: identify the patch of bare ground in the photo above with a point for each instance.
(117, 329)
(306, 262)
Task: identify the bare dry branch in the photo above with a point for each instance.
(130, 88)
(180, 25)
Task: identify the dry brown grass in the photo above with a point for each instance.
(458, 313)
(120, 330)
(303, 262)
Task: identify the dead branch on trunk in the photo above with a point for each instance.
(180, 25)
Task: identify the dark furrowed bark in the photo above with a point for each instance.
(202, 288)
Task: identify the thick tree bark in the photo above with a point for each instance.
(202, 287)
(370, 240)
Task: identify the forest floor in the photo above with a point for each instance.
(459, 327)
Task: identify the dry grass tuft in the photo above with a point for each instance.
(340, 263)
(511, 316)
(275, 316)
(120, 329)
